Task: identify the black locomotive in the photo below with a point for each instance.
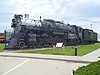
(45, 33)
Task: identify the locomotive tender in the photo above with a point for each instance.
(45, 33)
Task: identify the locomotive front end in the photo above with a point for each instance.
(22, 34)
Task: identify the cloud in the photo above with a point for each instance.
(4, 26)
(79, 12)
(89, 9)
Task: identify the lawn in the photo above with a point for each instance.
(2, 47)
(91, 69)
(69, 50)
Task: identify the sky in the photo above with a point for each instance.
(84, 13)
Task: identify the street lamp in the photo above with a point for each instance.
(91, 26)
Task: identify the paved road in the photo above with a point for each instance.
(26, 66)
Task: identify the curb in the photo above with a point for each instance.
(77, 59)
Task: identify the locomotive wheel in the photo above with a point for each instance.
(57, 39)
(50, 39)
(21, 45)
(33, 46)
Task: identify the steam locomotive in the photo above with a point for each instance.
(45, 33)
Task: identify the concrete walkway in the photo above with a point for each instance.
(91, 57)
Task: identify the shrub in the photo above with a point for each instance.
(91, 69)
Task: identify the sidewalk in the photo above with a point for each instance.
(91, 57)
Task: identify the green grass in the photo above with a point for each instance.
(69, 50)
(91, 69)
(2, 47)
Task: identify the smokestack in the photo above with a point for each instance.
(40, 17)
(26, 15)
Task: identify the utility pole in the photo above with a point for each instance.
(91, 26)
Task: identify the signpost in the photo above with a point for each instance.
(59, 45)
